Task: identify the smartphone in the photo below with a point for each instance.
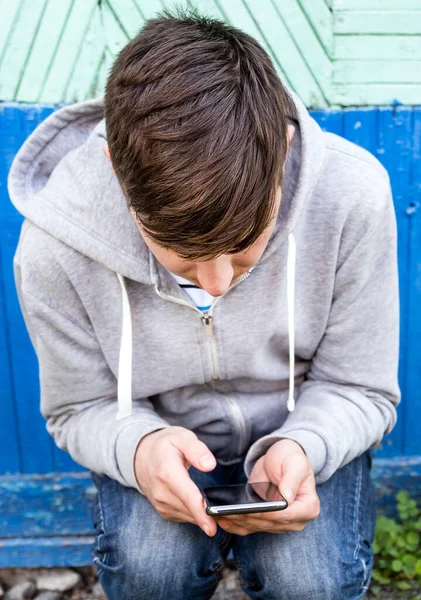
(243, 498)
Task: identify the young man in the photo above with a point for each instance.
(209, 262)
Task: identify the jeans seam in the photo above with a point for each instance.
(357, 501)
(101, 521)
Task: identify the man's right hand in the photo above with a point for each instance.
(161, 464)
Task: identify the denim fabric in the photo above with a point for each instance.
(141, 556)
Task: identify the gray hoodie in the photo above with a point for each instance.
(123, 351)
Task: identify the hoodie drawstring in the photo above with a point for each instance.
(292, 253)
(124, 387)
(124, 383)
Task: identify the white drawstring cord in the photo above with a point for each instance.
(292, 252)
(124, 384)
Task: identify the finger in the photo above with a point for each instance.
(194, 451)
(295, 469)
(232, 528)
(188, 494)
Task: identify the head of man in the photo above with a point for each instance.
(197, 136)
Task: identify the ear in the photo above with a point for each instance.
(107, 154)
(290, 132)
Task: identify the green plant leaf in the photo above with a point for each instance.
(418, 567)
(403, 585)
(396, 566)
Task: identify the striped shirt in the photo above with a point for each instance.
(202, 299)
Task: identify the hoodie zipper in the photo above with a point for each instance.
(207, 320)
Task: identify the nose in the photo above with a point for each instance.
(215, 276)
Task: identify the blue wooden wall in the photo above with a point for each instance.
(44, 496)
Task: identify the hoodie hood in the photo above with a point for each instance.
(62, 182)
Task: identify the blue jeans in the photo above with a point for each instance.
(141, 556)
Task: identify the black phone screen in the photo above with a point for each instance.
(243, 493)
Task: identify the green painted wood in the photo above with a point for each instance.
(9, 12)
(283, 46)
(82, 81)
(320, 18)
(56, 78)
(19, 46)
(407, 22)
(207, 7)
(312, 51)
(377, 94)
(236, 13)
(43, 50)
(378, 47)
(377, 71)
(376, 5)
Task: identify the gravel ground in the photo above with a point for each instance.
(81, 583)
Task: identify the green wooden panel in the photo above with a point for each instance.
(43, 50)
(387, 93)
(376, 5)
(19, 46)
(377, 71)
(309, 45)
(362, 47)
(66, 54)
(9, 12)
(319, 18)
(393, 22)
(82, 80)
(209, 8)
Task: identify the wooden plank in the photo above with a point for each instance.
(55, 504)
(329, 120)
(269, 22)
(237, 14)
(395, 152)
(19, 46)
(304, 36)
(9, 440)
(35, 443)
(393, 22)
(207, 8)
(150, 8)
(9, 12)
(377, 71)
(117, 34)
(377, 47)
(413, 214)
(50, 31)
(29, 552)
(362, 128)
(320, 18)
(378, 93)
(381, 5)
(68, 51)
(81, 81)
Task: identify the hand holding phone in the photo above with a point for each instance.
(238, 499)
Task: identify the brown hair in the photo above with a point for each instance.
(196, 125)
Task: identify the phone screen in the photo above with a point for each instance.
(247, 493)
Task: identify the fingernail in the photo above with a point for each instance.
(288, 494)
(206, 530)
(206, 461)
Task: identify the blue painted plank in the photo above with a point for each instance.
(35, 444)
(394, 150)
(329, 120)
(46, 505)
(362, 128)
(413, 375)
(46, 552)
(9, 447)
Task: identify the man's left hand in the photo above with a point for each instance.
(286, 465)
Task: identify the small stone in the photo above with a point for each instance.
(48, 596)
(26, 589)
(98, 592)
(57, 580)
(12, 577)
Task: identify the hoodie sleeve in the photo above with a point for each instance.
(78, 393)
(348, 401)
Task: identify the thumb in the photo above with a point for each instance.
(294, 470)
(196, 452)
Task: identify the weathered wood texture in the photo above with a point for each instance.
(45, 496)
(61, 51)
